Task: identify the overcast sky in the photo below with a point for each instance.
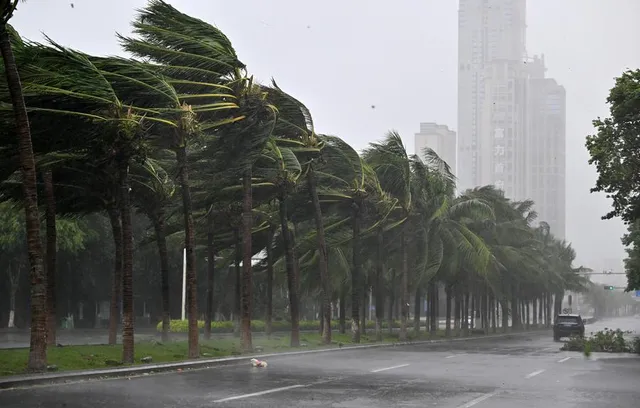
(342, 57)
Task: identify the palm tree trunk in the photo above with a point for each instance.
(211, 271)
(189, 244)
(559, 297)
(116, 285)
(342, 324)
(416, 310)
(287, 241)
(127, 265)
(486, 318)
(404, 294)
(355, 276)
(473, 311)
(378, 285)
(161, 242)
(465, 314)
(504, 309)
(37, 277)
(269, 316)
(363, 306)
(392, 300)
(447, 329)
(515, 317)
(247, 281)
(237, 299)
(325, 281)
(540, 313)
(52, 321)
(434, 311)
(494, 318)
(457, 310)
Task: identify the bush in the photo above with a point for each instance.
(182, 326)
(607, 340)
(636, 345)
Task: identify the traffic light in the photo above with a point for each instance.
(607, 287)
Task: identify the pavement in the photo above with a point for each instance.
(526, 370)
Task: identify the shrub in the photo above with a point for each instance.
(182, 326)
(607, 340)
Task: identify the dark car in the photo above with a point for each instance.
(567, 325)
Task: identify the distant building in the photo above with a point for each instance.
(491, 93)
(546, 182)
(440, 139)
(511, 118)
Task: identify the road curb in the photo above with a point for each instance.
(133, 371)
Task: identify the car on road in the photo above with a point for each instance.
(567, 325)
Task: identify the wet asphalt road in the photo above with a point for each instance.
(520, 371)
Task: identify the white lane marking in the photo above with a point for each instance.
(455, 355)
(564, 359)
(389, 368)
(479, 399)
(257, 394)
(547, 349)
(533, 374)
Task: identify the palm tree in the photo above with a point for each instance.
(279, 171)
(295, 124)
(200, 62)
(351, 188)
(153, 191)
(390, 161)
(102, 91)
(38, 347)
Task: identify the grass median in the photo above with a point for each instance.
(91, 357)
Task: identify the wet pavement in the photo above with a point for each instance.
(519, 371)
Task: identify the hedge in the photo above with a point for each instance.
(182, 326)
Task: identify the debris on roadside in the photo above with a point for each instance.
(258, 363)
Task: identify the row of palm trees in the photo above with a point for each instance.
(183, 134)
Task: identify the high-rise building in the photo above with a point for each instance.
(440, 139)
(491, 94)
(511, 118)
(546, 141)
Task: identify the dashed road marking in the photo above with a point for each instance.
(564, 359)
(533, 374)
(389, 368)
(257, 394)
(479, 399)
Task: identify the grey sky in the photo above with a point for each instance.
(341, 57)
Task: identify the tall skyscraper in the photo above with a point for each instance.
(440, 139)
(546, 182)
(511, 118)
(491, 94)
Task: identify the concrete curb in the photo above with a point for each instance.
(75, 376)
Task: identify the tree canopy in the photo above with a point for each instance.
(615, 151)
